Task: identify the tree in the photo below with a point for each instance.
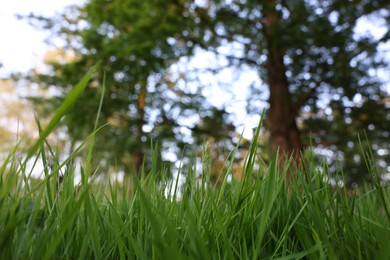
(311, 60)
(317, 71)
(136, 44)
(307, 51)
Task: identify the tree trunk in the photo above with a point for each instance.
(281, 117)
(138, 154)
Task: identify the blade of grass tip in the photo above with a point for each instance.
(49, 194)
(92, 142)
(270, 194)
(154, 149)
(64, 107)
(91, 211)
(230, 158)
(229, 169)
(206, 165)
(9, 159)
(65, 162)
(369, 160)
(22, 167)
(176, 182)
(249, 162)
(176, 188)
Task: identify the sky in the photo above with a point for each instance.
(22, 46)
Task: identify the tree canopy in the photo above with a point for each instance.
(318, 75)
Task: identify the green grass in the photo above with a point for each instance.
(260, 217)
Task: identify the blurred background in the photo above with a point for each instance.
(181, 74)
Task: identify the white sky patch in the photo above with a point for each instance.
(22, 46)
(228, 88)
(375, 28)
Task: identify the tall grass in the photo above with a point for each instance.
(255, 218)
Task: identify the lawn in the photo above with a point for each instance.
(258, 217)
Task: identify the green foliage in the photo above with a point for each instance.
(135, 43)
(329, 69)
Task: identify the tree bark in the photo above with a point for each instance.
(138, 154)
(281, 116)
